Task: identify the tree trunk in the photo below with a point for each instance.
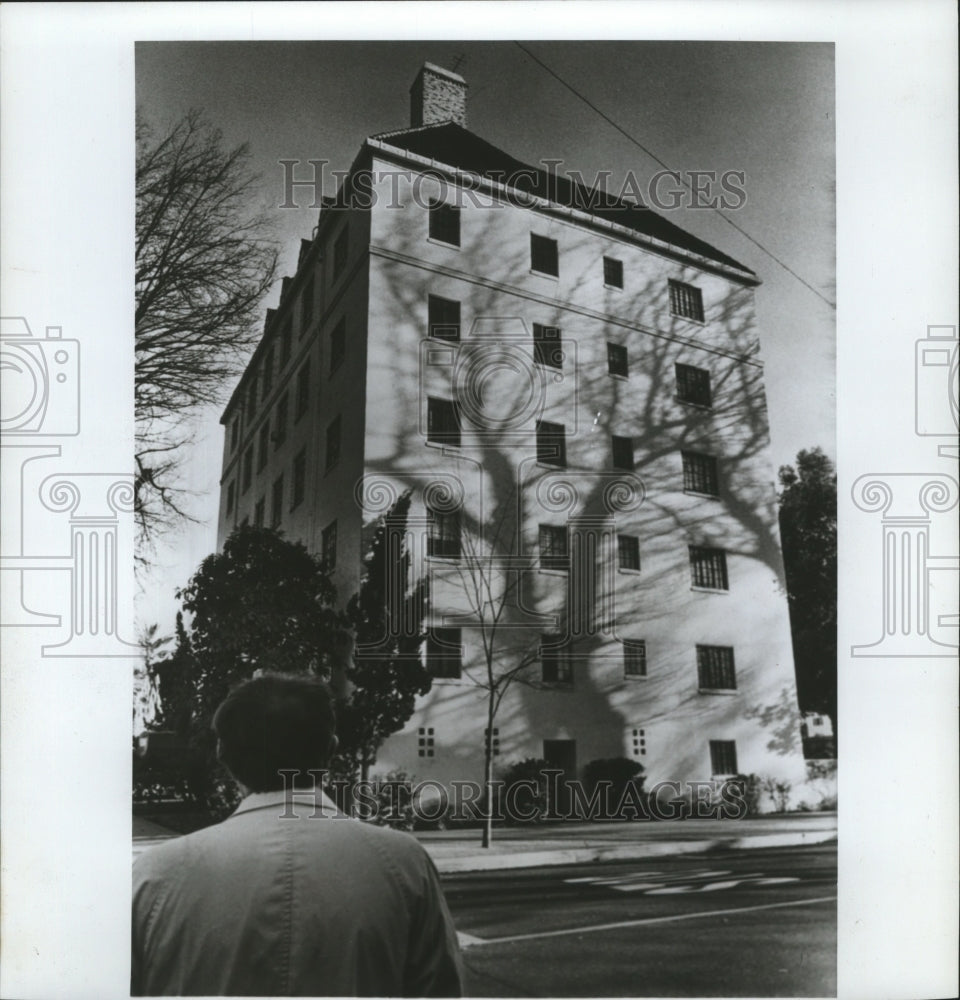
(488, 774)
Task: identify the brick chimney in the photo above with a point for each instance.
(438, 95)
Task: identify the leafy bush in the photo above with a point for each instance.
(751, 791)
(618, 773)
(527, 804)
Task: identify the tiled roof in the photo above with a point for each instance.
(454, 146)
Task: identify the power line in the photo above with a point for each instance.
(573, 90)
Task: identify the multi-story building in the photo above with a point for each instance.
(570, 386)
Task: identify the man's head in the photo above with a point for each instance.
(274, 723)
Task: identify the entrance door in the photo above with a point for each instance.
(561, 755)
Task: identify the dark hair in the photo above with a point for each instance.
(272, 723)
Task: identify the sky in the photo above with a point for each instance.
(763, 108)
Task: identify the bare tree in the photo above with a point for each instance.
(204, 260)
(490, 572)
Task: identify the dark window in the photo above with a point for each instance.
(634, 658)
(299, 479)
(231, 496)
(700, 474)
(708, 567)
(246, 472)
(693, 385)
(280, 423)
(443, 538)
(263, 445)
(333, 442)
(303, 390)
(443, 318)
(425, 744)
(554, 550)
(554, 661)
(286, 341)
(543, 255)
(328, 547)
(445, 223)
(617, 360)
(276, 503)
(639, 743)
(259, 512)
(613, 272)
(723, 757)
(547, 346)
(340, 254)
(444, 652)
(551, 444)
(267, 374)
(628, 552)
(338, 344)
(623, 452)
(494, 740)
(443, 422)
(306, 307)
(715, 670)
(234, 434)
(252, 397)
(686, 300)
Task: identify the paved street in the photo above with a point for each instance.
(726, 923)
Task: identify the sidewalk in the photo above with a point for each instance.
(576, 843)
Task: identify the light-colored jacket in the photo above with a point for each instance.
(270, 905)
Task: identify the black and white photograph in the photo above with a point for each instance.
(466, 563)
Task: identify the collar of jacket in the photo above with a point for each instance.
(287, 800)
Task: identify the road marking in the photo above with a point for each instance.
(650, 920)
(679, 882)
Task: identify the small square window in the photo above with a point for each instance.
(547, 346)
(328, 547)
(628, 552)
(708, 567)
(554, 548)
(686, 300)
(443, 318)
(700, 474)
(555, 666)
(551, 444)
(425, 741)
(613, 272)
(443, 422)
(338, 344)
(543, 255)
(617, 360)
(639, 743)
(333, 443)
(723, 758)
(623, 453)
(494, 741)
(635, 658)
(693, 385)
(715, 669)
(444, 653)
(445, 223)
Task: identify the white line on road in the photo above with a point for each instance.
(647, 920)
